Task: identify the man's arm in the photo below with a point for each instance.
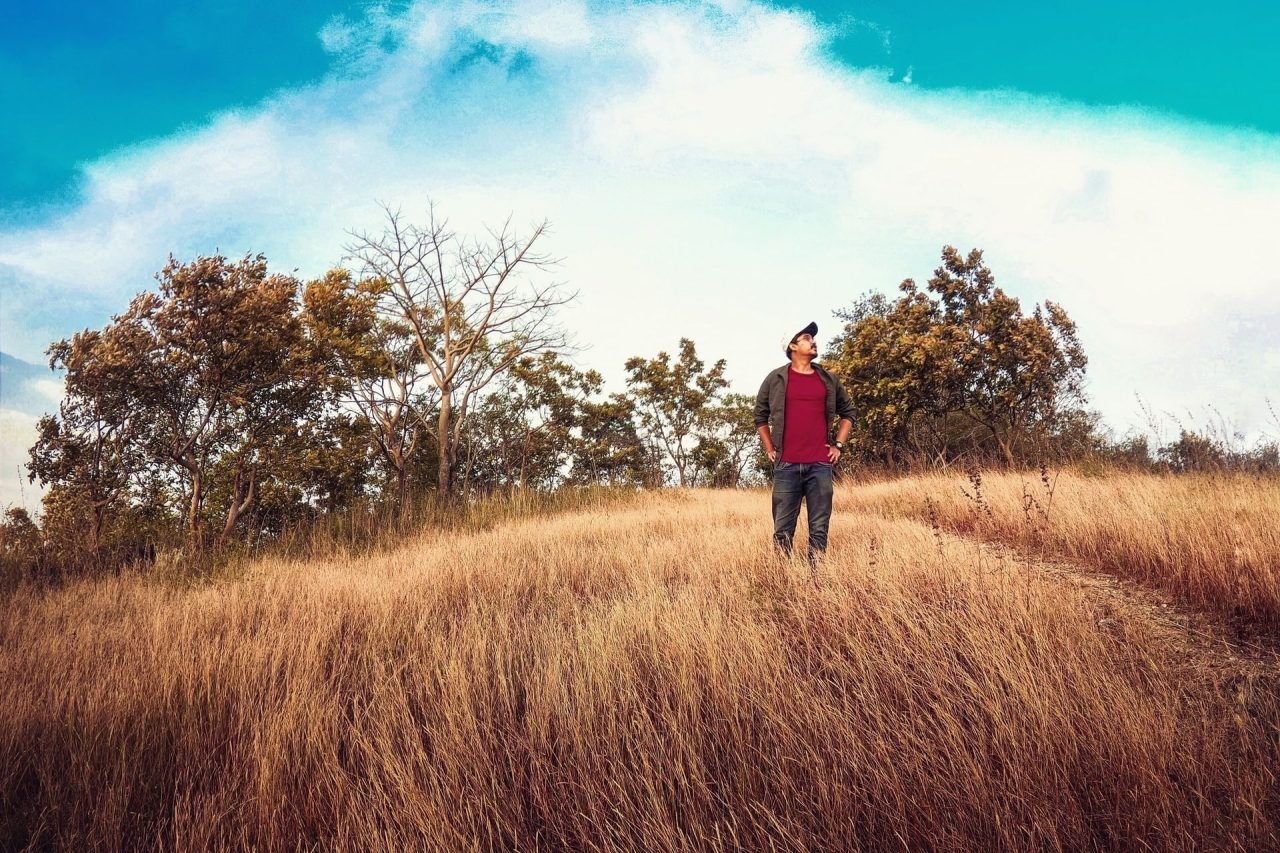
(761, 414)
(844, 408)
(767, 439)
(842, 435)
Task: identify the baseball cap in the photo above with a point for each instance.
(810, 330)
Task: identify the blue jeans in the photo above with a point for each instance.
(810, 481)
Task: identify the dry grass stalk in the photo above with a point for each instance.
(645, 678)
(1212, 540)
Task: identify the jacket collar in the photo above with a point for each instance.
(782, 371)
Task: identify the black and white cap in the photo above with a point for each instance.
(811, 330)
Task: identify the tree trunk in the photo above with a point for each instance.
(99, 521)
(402, 485)
(524, 460)
(466, 469)
(1006, 446)
(240, 503)
(444, 478)
(195, 531)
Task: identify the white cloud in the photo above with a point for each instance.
(51, 389)
(17, 433)
(711, 172)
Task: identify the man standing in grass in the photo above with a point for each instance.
(794, 411)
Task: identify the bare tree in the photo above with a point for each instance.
(471, 305)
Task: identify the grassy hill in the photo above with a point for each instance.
(960, 674)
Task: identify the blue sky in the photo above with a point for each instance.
(1209, 61)
(709, 171)
(80, 79)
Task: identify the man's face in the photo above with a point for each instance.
(805, 345)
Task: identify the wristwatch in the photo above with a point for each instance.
(840, 446)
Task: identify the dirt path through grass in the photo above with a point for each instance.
(1199, 636)
(1207, 548)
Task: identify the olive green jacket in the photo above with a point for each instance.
(771, 402)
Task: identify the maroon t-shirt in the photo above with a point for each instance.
(804, 433)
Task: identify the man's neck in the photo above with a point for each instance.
(802, 365)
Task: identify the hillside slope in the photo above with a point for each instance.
(647, 678)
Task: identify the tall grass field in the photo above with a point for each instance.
(1018, 663)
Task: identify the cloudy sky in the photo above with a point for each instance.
(725, 172)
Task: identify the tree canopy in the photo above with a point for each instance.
(231, 402)
(957, 368)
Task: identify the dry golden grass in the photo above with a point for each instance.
(646, 678)
(1214, 541)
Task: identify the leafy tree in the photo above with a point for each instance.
(334, 462)
(898, 362)
(1020, 371)
(374, 366)
(92, 449)
(958, 352)
(202, 385)
(521, 434)
(729, 453)
(675, 401)
(19, 544)
(544, 424)
(18, 533)
(227, 374)
(1193, 452)
(609, 450)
